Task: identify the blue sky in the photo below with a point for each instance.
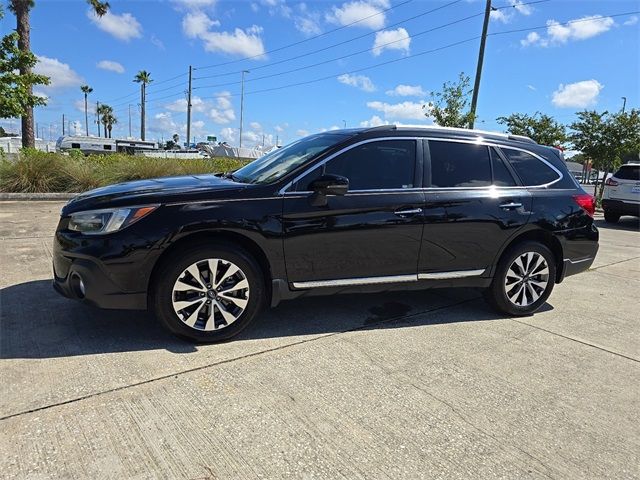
(557, 69)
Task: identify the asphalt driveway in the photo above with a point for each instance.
(428, 384)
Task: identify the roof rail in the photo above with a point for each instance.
(509, 136)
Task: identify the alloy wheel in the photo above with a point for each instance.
(526, 279)
(210, 294)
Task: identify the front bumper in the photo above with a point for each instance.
(99, 290)
(623, 208)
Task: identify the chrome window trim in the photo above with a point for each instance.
(478, 141)
(343, 282)
(283, 191)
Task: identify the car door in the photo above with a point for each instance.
(473, 205)
(372, 233)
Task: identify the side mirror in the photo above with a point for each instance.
(330, 185)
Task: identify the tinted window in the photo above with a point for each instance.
(530, 170)
(107, 147)
(628, 172)
(456, 164)
(75, 145)
(377, 165)
(501, 175)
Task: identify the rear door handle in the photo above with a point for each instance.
(408, 212)
(511, 205)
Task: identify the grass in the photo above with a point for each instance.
(39, 172)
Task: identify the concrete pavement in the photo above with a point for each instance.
(428, 384)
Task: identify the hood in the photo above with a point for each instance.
(153, 190)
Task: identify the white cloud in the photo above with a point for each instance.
(406, 91)
(41, 95)
(302, 133)
(398, 39)
(61, 74)
(123, 26)
(531, 87)
(359, 81)
(197, 24)
(222, 112)
(228, 134)
(156, 42)
(632, 21)
(79, 106)
(195, 4)
(505, 15)
(180, 105)
(399, 111)
(579, 29)
(308, 25)
(577, 95)
(370, 12)
(374, 121)
(281, 128)
(110, 65)
(255, 126)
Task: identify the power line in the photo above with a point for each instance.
(309, 38)
(424, 32)
(344, 42)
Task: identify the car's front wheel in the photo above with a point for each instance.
(523, 280)
(208, 293)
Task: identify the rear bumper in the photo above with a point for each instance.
(572, 267)
(621, 207)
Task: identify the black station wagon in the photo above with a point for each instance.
(364, 209)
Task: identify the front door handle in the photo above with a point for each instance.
(511, 205)
(408, 212)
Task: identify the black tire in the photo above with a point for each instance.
(611, 217)
(496, 294)
(162, 293)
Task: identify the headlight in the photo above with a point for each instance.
(107, 220)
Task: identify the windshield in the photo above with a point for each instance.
(278, 163)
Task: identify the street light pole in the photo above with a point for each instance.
(189, 110)
(624, 103)
(242, 104)
(476, 85)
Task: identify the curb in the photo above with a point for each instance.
(37, 196)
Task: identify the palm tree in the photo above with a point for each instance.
(110, 121)
(86, 89)
(22, 9)
(104, 112)
(143, 78)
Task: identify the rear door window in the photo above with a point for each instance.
(501, 175)
(531, 170)
(456, 164)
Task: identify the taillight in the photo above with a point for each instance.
(586, 202)
(611, 182)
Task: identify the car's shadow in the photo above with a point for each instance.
(36, 322)
(625, 223)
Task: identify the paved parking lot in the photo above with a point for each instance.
(405, 385)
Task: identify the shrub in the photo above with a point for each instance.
(34, 171)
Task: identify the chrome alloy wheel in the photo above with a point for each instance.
(210, 294)
(526, 279)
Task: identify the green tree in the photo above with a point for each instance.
(540, 127)
(143, 78)
(86, 89)
(451, 106)
(109, 121)
(22, 10)
(605, 138)
(16, 89)
(105, 112)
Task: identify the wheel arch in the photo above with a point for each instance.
(537, 235)
(218, 236)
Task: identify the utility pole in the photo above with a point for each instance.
(189, 109)
(37, 130)
(624, 103)
(242, 104)
(98, 117)
(63, 124)
(476, 85)
(129, 120)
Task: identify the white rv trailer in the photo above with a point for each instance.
(102, 145)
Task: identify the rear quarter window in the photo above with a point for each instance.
(531, 170)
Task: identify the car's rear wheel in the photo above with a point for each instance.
(523, 280)
(208, 293)
(611, 217)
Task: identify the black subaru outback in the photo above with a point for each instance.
(374, 209)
